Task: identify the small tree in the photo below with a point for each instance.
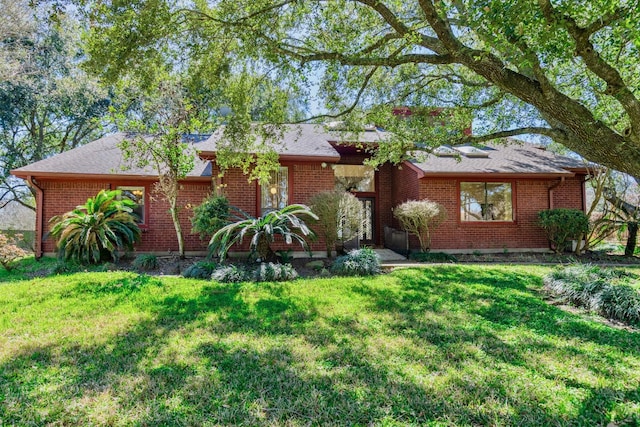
(563, 225)
(168, 116)
(339, 216)
(96, 230)
(420, 217)
(10, 251)
(210, 216)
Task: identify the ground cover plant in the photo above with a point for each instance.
(612, 293)
(443, 345)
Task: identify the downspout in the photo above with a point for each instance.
(553, 187)
(39, 216)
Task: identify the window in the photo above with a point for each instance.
(275, 194)
(135, 194)
(485, 201)
(358, 178)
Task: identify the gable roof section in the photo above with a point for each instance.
(513, 159)
(97, 159)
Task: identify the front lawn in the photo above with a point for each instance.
(444, 345)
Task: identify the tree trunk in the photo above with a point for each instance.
(264, 250)
(176, 224)
(632, 229)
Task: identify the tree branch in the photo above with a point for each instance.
(616, 86)
(551, 133)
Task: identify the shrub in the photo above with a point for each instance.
(432, 257)
(358, 262)
(420, 217)
(601, 290)
(10, 250)
(563, 225)
(145, 262)
(95, 231)
(286, 222)
(200, 270)
(339, 216)
(210, 216)
(270, 272)
(230, 274)
(65, 267)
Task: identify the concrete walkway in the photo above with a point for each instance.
(389, 256)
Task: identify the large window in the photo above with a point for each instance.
(135, 194)
(358, 178)
(275, 194)
(486, 201)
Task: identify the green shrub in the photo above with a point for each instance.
(66, 267)
(97, 230)
(210, 216)
(200, 270)
(230, 274)
(358, 262)
(145, 262)
(420, 217)
(602, 290)
(10, 250)
(563, 225)
(432, 257)
(270, 272)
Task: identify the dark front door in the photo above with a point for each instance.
(368, 228)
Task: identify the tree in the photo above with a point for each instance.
(564, 70)
(16, 31)
(50, 106)
(159, 126)
(339, 216)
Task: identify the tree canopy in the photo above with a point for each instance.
(567, 70)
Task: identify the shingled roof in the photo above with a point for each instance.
(515, 158)
(98, 158)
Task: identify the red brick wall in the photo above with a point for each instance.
(158, 232)
(531, 196)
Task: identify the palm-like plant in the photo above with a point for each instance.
(96, 230)
(286, 222)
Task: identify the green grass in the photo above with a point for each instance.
(444, 345)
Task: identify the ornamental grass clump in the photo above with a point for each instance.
(420, 217)
(601, 290)
(270, 272)
(358, 262)
(145, 262)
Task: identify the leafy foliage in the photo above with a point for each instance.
(432, 257)
(602, 290)
(563, 225)
(10, 250)
(200, 270)
(145, 262)
(287, 222)
(96, 230)
(419, 217)
(210, 216)
(358, 262)
(270, 272)
(230, 274)
(339, 216)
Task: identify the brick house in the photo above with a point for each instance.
(492, 193)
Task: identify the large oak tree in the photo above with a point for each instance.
(567, 70)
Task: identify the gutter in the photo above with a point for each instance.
(553, 187)
(39, 215)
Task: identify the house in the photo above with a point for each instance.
(492, 193)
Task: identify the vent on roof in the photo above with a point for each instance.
(471, 152)
(445, 151)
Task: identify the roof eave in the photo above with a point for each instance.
(83, 176)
